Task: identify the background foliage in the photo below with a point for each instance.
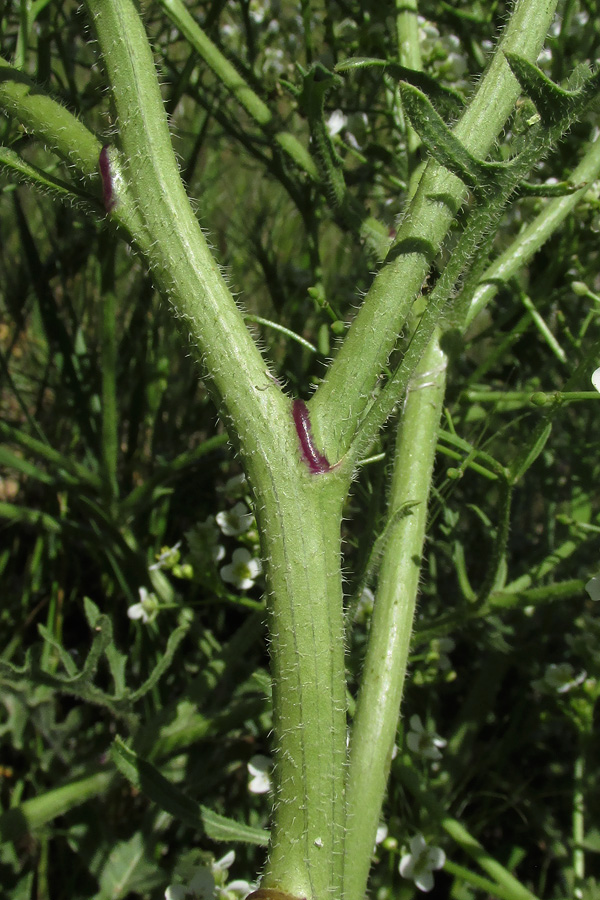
(112, 453)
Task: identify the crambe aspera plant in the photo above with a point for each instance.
(437, 272)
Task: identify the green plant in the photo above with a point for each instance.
(433, 285)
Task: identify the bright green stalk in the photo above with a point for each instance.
(372, 336)
(175, 248)
(378, 706)
(307, 660)
(48, 120)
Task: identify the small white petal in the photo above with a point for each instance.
(417, 844)
(175, 892)
(225, 862)
(202, 884)
(416, 724)
(235, 521)
(593, 587)
(382, 833)
(436, 857)
(596, 379)
(424, 881)
(137, 612)
(336, 122)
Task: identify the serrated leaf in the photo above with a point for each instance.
(552, 102)
(439, 140)
(147, 779)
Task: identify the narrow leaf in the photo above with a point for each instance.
(529, 456)
(146, 778)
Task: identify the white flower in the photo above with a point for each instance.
(146, 609)
(175, 892)
(257, 11)
(259, 767)
(593, 585)
(235, 521)
(168, 556)
(382, 833)
(336, 121)
(235, 890)
(221, 865)
(422, 742)
(206, 883)
(243, 569)
(596, 379)
(419, 864)
(559, 678)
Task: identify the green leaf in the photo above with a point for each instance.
(441, 143)
(175, 638)
(552, 102)
(128, 867)
(147, 779)
(530, 454)
(26, 173)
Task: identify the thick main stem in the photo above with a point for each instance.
(300, 522)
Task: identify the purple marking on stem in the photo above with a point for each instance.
(315, 460)
(110, 201)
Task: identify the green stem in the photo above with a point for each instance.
(110, 427)
(371, 338)
(378, 705)
(409, 55)
(176, 250)
(300, 521)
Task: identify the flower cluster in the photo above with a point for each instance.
(210, 883)
(205, 551)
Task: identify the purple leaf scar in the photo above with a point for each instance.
(315, 460)
(108, 195)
